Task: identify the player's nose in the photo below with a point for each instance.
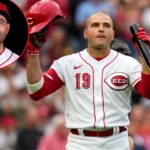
(101, 28)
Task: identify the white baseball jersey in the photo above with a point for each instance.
(97, 93)
(7, 57)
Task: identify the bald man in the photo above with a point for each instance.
(7, 57)
(97, 85)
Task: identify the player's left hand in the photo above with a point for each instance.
(143, 36)
(34, 44)
(36, 41)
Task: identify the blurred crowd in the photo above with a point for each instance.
(29, 125)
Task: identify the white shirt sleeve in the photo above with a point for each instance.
(58, 68)
(134, 69)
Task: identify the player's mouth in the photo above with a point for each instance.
(101, 37)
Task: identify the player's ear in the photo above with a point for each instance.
(113, 34)
(8, 27)
(85, 33)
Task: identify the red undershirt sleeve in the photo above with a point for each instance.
(143, 86)
(52, 82)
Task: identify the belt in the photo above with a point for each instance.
(103, 133)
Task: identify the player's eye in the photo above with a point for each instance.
(1, 21)
(94, 24)
(107, 25)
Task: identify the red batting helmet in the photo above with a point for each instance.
(41, 14)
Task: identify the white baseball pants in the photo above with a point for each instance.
(115, 142)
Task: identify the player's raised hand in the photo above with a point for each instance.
(143, 36)
(39, 17)
(35, 42)
(32, 48)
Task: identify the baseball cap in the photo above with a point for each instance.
(4, 11)
(8, 120)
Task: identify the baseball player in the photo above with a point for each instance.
(97, 85)
(6, 55)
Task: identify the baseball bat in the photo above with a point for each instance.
(143, 47)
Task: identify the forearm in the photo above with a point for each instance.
(34, 73)
(145, 68)
(49, 84)
(143, 87)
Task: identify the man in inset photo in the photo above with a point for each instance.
(13, 33)
(6, 55)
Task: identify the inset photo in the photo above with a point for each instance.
(13, 33)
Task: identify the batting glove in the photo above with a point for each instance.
(143, 36)
(36, 41)
(34, 44)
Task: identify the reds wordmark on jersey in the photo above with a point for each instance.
(97, 93)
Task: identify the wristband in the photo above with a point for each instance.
(33, 52)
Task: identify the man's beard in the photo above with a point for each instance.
(99, 47)
(2, 39)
